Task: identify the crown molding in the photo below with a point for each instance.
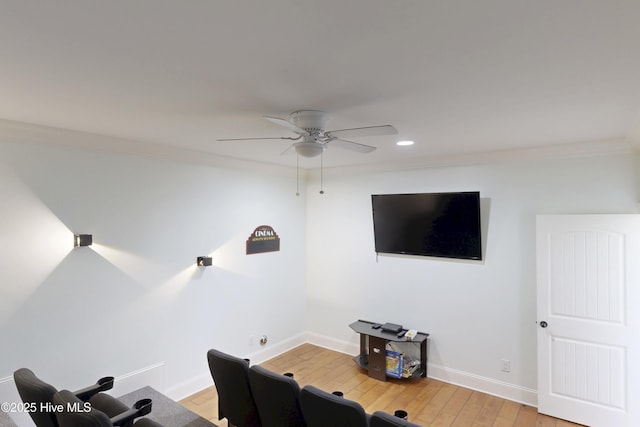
(557, 151)
(14, 131)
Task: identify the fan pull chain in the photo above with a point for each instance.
(297, 175)
(322, 172)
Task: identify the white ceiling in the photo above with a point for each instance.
(459, 76)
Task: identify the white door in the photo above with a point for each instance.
(588, 274)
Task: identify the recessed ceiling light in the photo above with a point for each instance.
(404, 143)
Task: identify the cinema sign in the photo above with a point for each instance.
(263, 239)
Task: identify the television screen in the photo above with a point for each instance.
(428, 224)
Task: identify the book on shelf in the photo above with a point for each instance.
(394, 363)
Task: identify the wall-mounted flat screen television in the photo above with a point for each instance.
(429, 224)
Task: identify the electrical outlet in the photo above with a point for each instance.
(505, 365)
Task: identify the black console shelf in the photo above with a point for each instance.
(373, 344)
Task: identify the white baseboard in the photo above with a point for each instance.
(269, 352)
(486, 385)
(152, 375)
(187, 388)
(460, 378)
(332, 343)
(204, 380)
(155, 375)
(468, 380)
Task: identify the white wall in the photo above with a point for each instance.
(476, 312)
(135, 301)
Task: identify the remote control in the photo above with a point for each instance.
(376, 326)
(401, 334)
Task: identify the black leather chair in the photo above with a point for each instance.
(235, 401)
(39, 393)
(73, 413)
(322, 409)
(277, 398)
(382, 419)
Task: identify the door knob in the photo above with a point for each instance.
(543, 324)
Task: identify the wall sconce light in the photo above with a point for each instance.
(82, 240)
(204, 261)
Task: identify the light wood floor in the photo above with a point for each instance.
(429, 402)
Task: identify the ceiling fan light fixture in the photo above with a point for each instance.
(309, 149)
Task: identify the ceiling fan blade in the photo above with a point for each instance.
(287, 124)
(288, 150)
(353, 146)
(365, 131)
(253, 139)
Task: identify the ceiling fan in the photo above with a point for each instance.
(313, 139)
